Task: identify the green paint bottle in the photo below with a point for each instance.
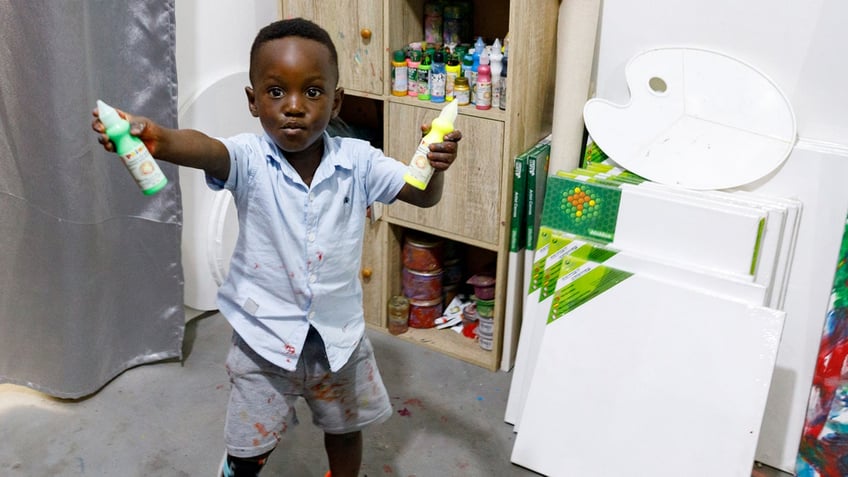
(132, 151)
(424, 77)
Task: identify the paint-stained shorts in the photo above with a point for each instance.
(263, 395)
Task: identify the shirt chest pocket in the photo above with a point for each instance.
(345, 213)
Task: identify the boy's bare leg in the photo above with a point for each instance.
(344, 451)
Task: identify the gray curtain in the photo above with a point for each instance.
(90, 273)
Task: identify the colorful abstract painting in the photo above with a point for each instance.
(824, 443)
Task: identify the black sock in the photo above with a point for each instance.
(244, 467)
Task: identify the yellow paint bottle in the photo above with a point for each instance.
(420, 171)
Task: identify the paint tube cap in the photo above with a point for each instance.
(108, 115)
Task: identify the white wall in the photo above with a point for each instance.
(213, 43)
(214, 38)
(800, 46)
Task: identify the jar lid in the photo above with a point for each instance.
(422, 242)
(481, 281)
(425, 303)
(432, 273)
(460, 80)
(400, 55)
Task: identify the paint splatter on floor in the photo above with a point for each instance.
(414, 402)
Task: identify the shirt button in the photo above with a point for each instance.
(311, 237)
(312, 278)
(311, 315)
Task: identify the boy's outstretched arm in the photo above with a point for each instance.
(441, 156)
(184, 147)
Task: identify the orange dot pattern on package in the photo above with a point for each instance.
(579, 204)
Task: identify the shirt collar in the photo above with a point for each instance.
(332, 159)
(332, 152)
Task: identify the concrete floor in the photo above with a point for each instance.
(166, 419)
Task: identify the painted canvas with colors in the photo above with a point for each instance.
(824, 442)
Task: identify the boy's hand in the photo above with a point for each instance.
(183, 147)
(141, 127)
(442, 154)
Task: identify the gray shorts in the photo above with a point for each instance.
(263, 395)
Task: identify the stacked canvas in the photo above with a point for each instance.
(528, 191)
(651, 311)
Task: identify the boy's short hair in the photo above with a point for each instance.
(300, 27)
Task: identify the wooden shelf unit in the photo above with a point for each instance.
(476, 204)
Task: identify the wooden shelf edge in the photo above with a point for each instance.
(468, 110)
(459, 238)
(449, 343)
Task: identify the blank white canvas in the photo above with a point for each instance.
(513, 308)
(532, 328)
(530, 320)
(774, 239)
(705, 233)
(653, 378)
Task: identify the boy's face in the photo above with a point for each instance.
(294, 93)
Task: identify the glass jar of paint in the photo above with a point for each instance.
(423, 314)
(398, 309)
(422, 285)
(423, 254)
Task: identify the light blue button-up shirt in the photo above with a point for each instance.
(297, 258)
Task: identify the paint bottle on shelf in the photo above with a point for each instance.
(452, 70)
(438, 78)
(484, 83)
(420, 171)
(496, 65)
(424, 77)
(467, 61)
(461, 91)
(460, 52)
(479, 47)
(132, 151)
(502, 86)
(399, 74)
(412, 72)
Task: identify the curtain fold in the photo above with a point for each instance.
(90, 273)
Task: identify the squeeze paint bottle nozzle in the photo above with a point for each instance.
(132, 151)
(420, 171)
